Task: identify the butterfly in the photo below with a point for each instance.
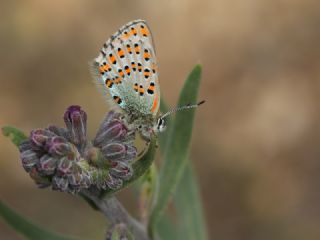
(126, 68)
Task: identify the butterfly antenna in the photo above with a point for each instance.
(188, 106)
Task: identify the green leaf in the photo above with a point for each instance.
(140, 167)
(25, 227)
(176, 152)
(147, 189)
(167, 229)
(16, 135)
(188, 204)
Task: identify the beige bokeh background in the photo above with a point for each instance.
(256, 140)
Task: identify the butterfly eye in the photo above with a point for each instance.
(161, 125)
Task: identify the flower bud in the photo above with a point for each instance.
(121, 170)
(86, 180)
(39, 137)
(112, 115)
(112, 182)
(25, 145)
(76, 121)
(65, 166)
(114, 151)
(59, 131)
(115, 130)
(60, 183)
(29, 159)
(47, 164)
(58, 146)
(75, 179)
(130, 154)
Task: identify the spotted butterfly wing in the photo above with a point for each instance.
(126, 68)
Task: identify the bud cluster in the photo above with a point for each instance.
(115, 142)
(62, 157)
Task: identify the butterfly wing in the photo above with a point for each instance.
(127, 69)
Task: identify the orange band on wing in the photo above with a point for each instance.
(155, 103)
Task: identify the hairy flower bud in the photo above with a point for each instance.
(60, 183)
(47, 164)
(114, 151)
(131, 153)
(58, 146)
(113, 131)
(76, 121)
(113, 182)
(121, 170)
(59, 131)
(64, 166)
(29, 159)
(39, 137)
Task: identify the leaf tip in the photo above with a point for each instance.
(15, 135)
(5, 131)
(198, 68)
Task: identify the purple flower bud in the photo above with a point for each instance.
(75, 179)
(86, 180)
(112, 182)
(58, 146)
(25, 145)
(76, 121)
(39, 137)
(65, 166)
(121, 170)
(60, 183)
(113, 131)
(59, 131)
(112, 115)
(47, 164)
(29, 159)
(114, 151)
(131, 153)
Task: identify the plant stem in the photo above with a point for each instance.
(116, 213)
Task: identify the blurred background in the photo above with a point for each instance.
(255, 142)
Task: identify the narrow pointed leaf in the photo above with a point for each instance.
(25, 227)
(175, 156)
(187, 202)
(16, 135)
(167, 229)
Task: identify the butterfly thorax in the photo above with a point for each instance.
(137, 118)
(144, 124)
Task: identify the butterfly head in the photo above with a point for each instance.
(160, 125)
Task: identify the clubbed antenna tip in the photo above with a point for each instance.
(201, 102)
